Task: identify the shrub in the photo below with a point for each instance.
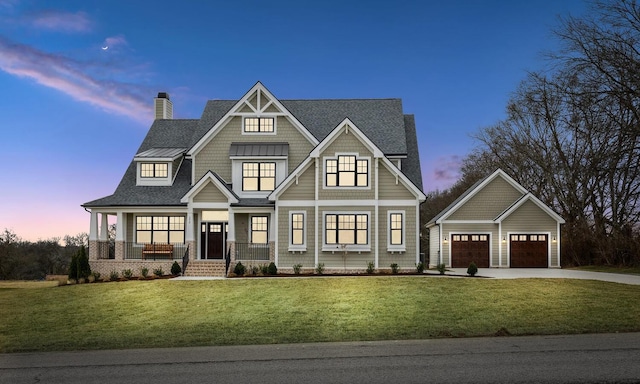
(272, 269)
(79, 267)
(127, 273)
(441, 268)
(239, 269)
(394, 268)
(371, 267)
(473, 269)
(254, 269)
(320, 268)
(114, 275)
(264, 269)
(297, 268)
(144, 271)
(175, 268)
(420, 267)
(96, 276)
(158, 272)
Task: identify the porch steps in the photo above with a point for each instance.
(205, 268)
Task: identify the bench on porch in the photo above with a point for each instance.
(157, 250)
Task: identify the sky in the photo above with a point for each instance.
(78, 78)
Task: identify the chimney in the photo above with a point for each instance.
(163, 106)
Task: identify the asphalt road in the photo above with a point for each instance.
(602, 358)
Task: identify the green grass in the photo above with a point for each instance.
(162, 313)
(608, 269)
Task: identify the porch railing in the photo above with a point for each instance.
(185, 260)
(105, 250)
(249, 251)
(154, 251)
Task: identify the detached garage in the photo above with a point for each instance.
(496, 223)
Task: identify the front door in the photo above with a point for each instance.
(213, 240)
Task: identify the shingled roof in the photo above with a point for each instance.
(382, 120)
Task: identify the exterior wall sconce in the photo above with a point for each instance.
(504, 239)
(445, 239)
(553, 239)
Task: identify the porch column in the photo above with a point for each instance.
(93, 226)
(93, 236)
(104, 227)
(231, 235)
(189, 236)
(120, 237)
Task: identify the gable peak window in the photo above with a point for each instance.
(259, 125)
(347, 171)
(154, 170)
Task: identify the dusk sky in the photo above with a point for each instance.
(78, 78)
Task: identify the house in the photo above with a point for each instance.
(258, 180)
(496, 223)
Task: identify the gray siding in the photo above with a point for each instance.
(434, 243)
(210, 194)
(489, 202)
(287, 259)
(406, 259)
(304, 189)
(388, 189)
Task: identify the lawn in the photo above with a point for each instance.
(164, 313)
(608, 269)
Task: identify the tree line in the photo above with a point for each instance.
(571, 136)
(27, 260)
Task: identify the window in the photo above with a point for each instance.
(259, 124)
(258, 176)
(154, 170)
(297, 229)
(395, 225)
(259, 227)
(160, 229)
(346, 229)
(347, 171)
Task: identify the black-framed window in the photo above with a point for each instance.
(347, 229)
(297, 229)
(258, 176)
(160, 229)
(259, 125)
(154, 170)
(395, 228)
(347, 171)
(259, 229)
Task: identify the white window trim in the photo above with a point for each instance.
(249, 240)
(151, 181)
(236, 174)
(335, 157)
(397, 247)
(303, 246)
(155, 214)
(275, 126)
(350, 247)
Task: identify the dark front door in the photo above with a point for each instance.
(212, 240)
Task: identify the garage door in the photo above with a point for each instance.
(529, 251)
(468, 248)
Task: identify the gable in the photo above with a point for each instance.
(488, 202)
(529, 216)
(301, 187)
(210, 194)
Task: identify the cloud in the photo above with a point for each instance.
(60, 21)
(115, 41)
(76, 79)
(447, 168)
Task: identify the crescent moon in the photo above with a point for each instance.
(105, 47)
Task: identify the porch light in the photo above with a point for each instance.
(504, 239)
(445, 239)
(553, 239)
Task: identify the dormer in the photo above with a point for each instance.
(158, 166)
(257, 168)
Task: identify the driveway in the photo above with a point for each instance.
(551, 273)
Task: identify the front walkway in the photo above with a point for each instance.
(551, 273)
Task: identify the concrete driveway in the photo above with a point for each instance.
(551, 273)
